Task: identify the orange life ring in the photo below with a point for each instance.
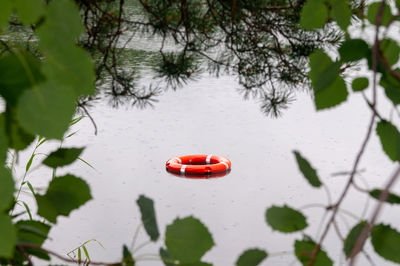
(198, 164)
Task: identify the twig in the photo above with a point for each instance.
(367, 228)
(328, 193)
(90, 117)
(345, 190)
(27, 245)
(366, 139)
(26, 256)
(141, 246)
(335, 225)
(368, 257)
(360, 189)
(135, 236)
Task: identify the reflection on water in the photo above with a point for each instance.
(200, 176)
(270, 75)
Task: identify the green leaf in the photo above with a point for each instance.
(6, 189)
(29, 11)
(85, 162)
(313, 15)
(392, 198)
(66, 63)
(327, 77)
(62, 157)
(331, 96)
(373, 12)
(5, 12)
(30, 188)
(63, 195)
(47, 110)
(86, 252)
(187, 240)
(41, 140)
(29, 163)
(3, 140)
(390, 139)
(386, 242)
(62, 19)
(319, 62)
(392, 86)
(303, 250)
(341, 12)
(79, 254)
(308, 171)
(72, 68)
(17, 137)
(251, 257)
(8, 237)
(352, 238)
(28, 210)
(285, 219)
(149, 220)
(329, 88)
(18, 72)
(76, 120)
(391, 50)
(127, 257)
(166, 258)
(33, 232)
(360, 84)
(323, 71)
(353, 50)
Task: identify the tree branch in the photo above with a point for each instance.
(375, 52)
(368, 227)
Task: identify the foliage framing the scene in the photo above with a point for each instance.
(267, 44)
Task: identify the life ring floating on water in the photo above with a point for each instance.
(198, 164)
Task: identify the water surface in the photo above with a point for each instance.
(210, 117)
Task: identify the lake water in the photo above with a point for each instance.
(210, 117)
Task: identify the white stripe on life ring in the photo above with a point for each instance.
(208, 159)
(226, 165)
(179, 160)
(183, 169)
